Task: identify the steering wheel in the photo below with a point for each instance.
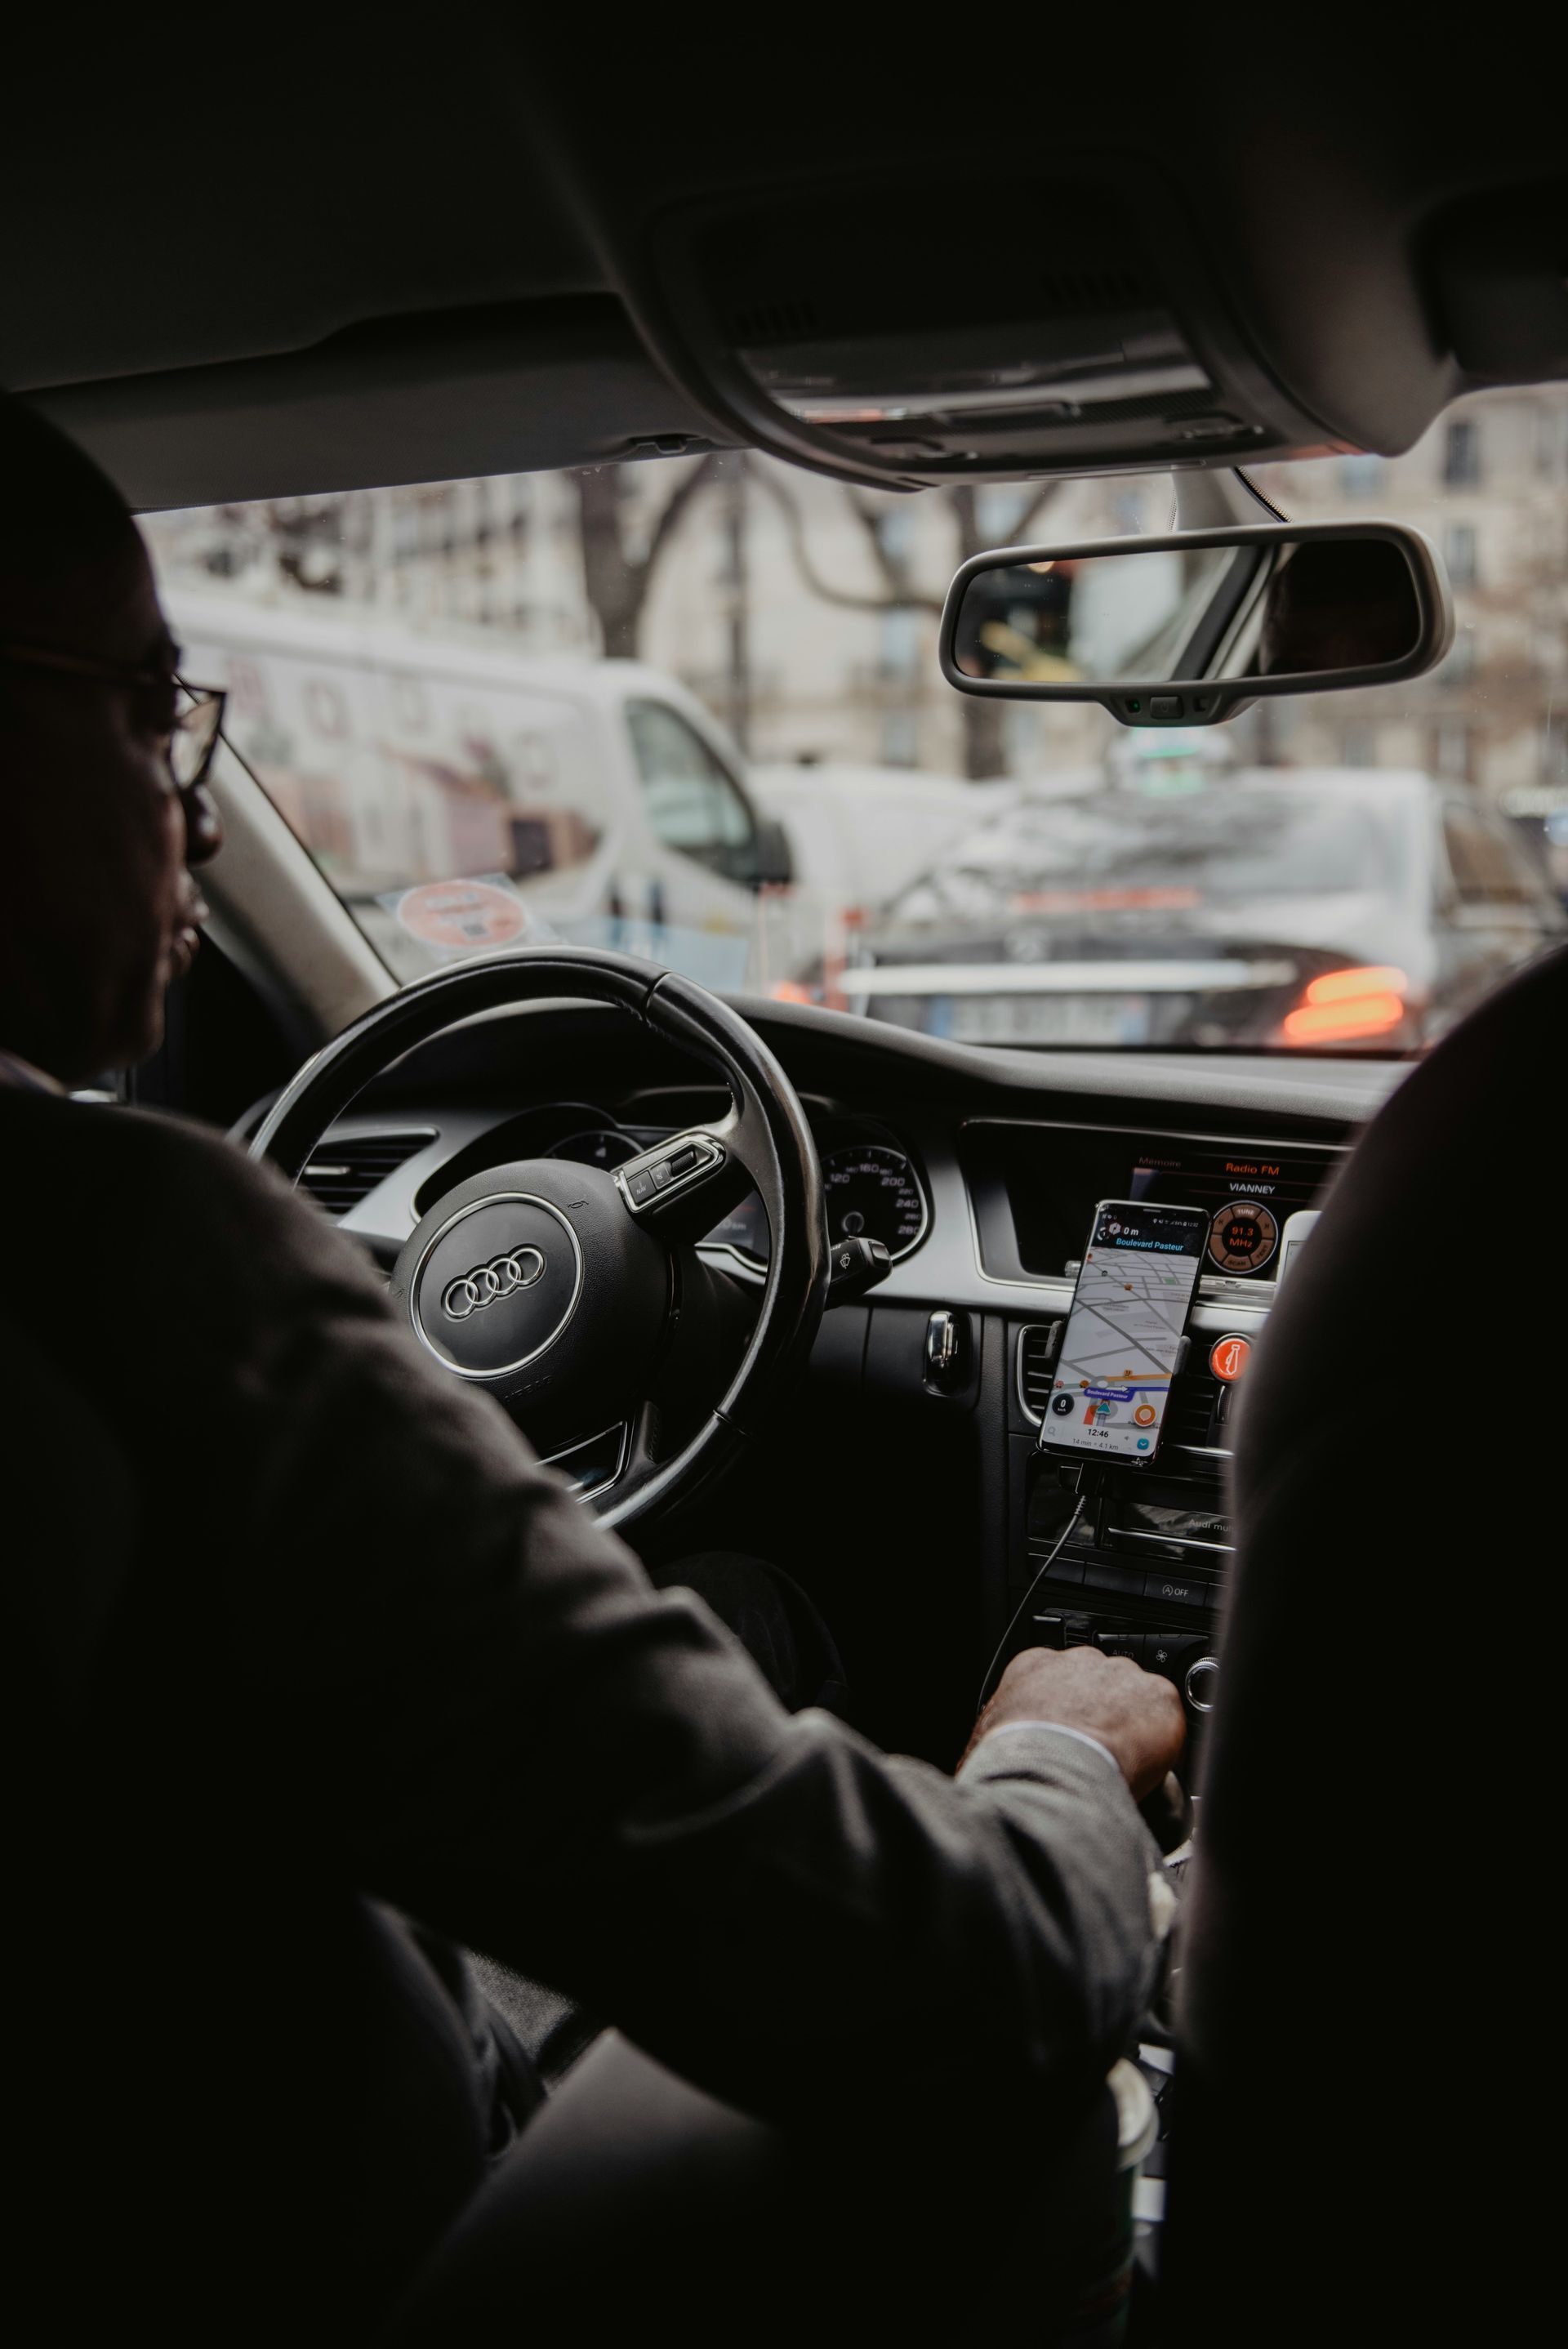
(562, 1290)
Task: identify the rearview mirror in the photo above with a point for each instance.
(1191, 628)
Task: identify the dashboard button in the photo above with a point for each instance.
(662, 1175)
(1202, 1683)
(1066, 1569)
(1125, 1581)
(1173, 1590)
(1118, 1643)
(1229, 1357)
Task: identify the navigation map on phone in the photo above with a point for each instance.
(1112, 1377)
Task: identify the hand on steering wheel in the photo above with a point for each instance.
(556, 1286)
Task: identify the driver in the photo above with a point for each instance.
(316, 1675)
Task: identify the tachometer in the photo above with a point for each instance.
(875, 1193)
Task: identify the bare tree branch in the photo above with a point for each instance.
(1033, 506)
(675, 506)
(618, 588)
(847, 599)
(894, 569)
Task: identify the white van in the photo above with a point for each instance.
(463, 798)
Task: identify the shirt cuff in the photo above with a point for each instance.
(1058, 1729)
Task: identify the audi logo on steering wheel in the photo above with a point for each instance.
(488, 1284)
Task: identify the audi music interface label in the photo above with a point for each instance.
(1123, 1337)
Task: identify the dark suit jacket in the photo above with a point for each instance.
(296, 1623)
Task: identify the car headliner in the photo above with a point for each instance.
(325, 261)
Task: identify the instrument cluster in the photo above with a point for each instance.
(873, 1188)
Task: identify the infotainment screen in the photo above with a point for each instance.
(1034, 1189)
(1248, 1194)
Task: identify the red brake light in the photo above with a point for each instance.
(1366, 1000)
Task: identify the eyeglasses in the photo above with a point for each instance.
(195, 730)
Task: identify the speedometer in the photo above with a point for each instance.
(875, 1193)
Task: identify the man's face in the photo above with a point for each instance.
(97, 909)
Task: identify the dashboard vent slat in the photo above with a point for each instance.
(1190, 1418)
(344, 1171)
(1037, 1352)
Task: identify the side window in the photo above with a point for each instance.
(692, 804)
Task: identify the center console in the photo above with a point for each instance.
(1131, 1560)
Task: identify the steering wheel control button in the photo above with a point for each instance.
(1229, 1357)
(1203, 1684)
(496, 1285)
(684, 1159)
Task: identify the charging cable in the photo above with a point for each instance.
(1018, 1612)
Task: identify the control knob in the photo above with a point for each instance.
(1203, 1680)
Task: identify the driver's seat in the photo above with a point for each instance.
(1367, 2101)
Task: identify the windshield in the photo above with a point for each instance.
(692, 709)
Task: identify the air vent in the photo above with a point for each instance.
(342, 1173)
(1037, 1352)
(1190, 1419)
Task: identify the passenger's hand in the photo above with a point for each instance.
(1135, 1715)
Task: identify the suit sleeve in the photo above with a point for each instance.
(481, 1709)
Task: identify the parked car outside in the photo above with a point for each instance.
(862, 833)
(1329, 909)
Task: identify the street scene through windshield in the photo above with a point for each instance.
(692, 709)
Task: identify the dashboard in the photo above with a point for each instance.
(979, 1170)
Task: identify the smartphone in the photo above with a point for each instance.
(1110, 1382)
